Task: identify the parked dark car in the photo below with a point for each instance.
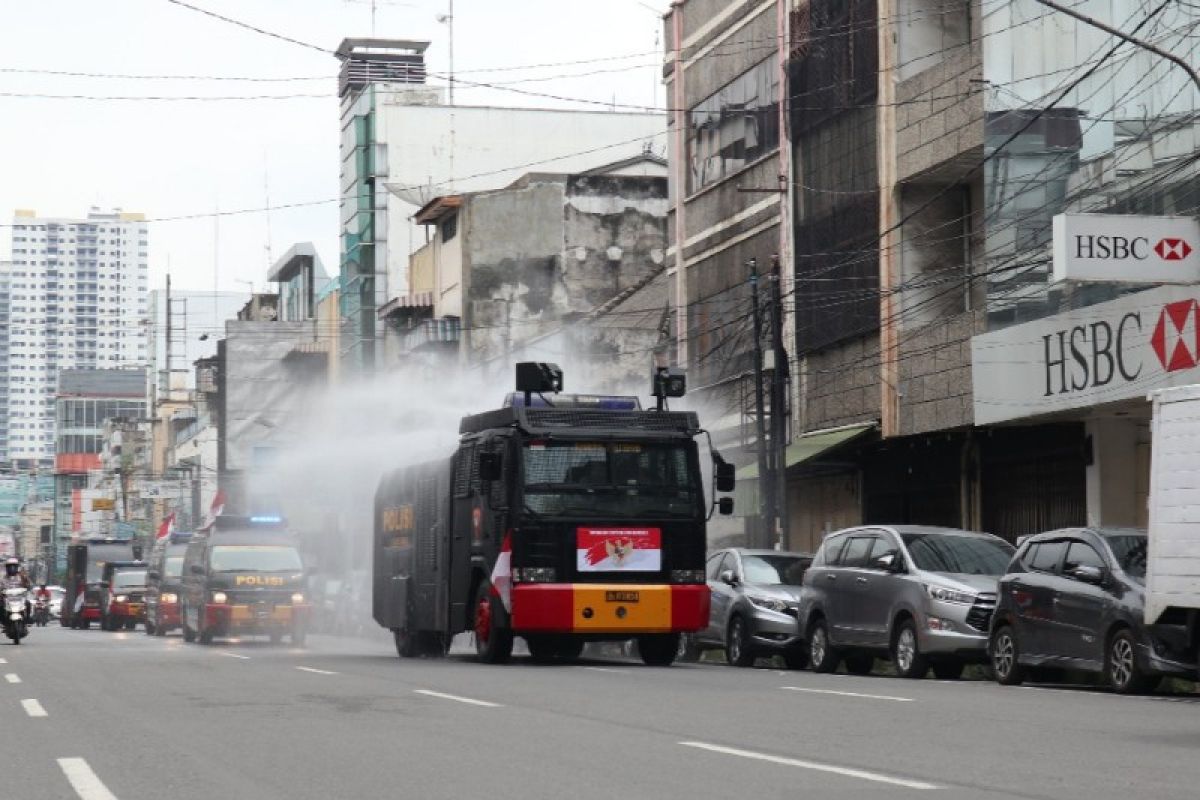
(1073, 599)
(920, 595)
(752, 613)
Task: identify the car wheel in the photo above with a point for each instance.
(739, 652)
(493, 641)
(821, 655)
(948, 670)
(796, 657)
(658, 650)
(1006, 664)
(1124, 674)
(860, 663)
(906, 652)
(689, 651)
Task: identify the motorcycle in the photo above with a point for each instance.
(41, 612)
(15, 624)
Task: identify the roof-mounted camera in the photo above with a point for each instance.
(667, 382)
(536, 377)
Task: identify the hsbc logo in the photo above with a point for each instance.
(1176, 337)
(1172, 249)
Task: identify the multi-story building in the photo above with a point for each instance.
(77, 300)
(402, 146)
(926, 150)
(5, 322)
(85, 400)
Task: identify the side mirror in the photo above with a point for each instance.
(153, 575)
(728, 577)
(724, 473)
(489, 466)
(886, 562)
(1088, 574)
(196, 569)
(725, 505)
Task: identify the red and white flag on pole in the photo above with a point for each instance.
(214, 510)
(502, 574)
(167, 527)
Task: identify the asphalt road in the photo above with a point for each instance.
(96, 715)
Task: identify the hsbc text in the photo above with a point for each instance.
(1112, 247)
(1087, 356)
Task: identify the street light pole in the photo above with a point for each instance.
(1158, 51)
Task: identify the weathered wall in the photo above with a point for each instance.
(544, 250)
(939, 114)
(840, 385)
(935, 374)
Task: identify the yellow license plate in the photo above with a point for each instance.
(622, 597)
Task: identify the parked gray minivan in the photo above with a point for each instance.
(919, 595)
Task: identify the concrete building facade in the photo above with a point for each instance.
(77, 299)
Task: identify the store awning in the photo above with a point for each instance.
(811, 445)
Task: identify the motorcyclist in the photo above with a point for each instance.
(15, 578)
(41, 596)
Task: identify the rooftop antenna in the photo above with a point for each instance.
(374, 4)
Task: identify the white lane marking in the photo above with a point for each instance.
(33, 708)
(83, 780)
(234, 655)
(457, 699)
(608, 669)
(316, 671)
(850, 694)
(12, 677)
(3, 660)
(848, 772)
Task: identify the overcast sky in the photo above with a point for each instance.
(182, 157)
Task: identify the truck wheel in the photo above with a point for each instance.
(131, 624)
(542, 649)
(149, 628)
(658, 650)
(299, 636)
(85, 624)
(205, 637)
(406, 643)
(493, 639)
(689, 651)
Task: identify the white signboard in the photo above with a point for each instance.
(1104, 353)
(1127, 249)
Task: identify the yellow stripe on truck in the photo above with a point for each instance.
(617, 608)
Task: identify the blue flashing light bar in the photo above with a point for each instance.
(597, 401)
(266, 519)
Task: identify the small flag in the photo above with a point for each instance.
(502, 574)
(167, 527)
(214, 510)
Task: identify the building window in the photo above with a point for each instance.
(450, 227)
(735, 126)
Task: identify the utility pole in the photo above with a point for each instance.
(765, 488)
(779, 394)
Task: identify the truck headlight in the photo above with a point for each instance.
(169, 597)
(219, 598)
(687, 576)
(121, 598)
(769, 603)
(945, 594)
(297, 599)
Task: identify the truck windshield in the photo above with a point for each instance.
(609, 479)
(255, 558)
(173, 567)
(128, 580)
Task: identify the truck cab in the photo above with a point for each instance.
(83, 602)
(244, 577)
(123, 598)
(164, 582)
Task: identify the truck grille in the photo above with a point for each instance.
(980, 615)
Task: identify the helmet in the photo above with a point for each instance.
(12, 567)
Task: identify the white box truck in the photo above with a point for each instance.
(1173, 553)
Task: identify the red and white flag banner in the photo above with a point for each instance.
(618, 549)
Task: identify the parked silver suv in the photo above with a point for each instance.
(755, 594)
(922, 596)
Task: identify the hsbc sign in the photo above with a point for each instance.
(1125, 248)
(1105, 353)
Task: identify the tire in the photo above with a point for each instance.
(406, 644)
(821, 655)
(907, 658)
(948, 670)
(1006, 657)
(658, 650)
(205, 637)
(859, 663)
(189, 635)
(159, 630)
(1121, 667)
(542, 649)
(688, 652)
(796, 657)
(493, 637)
(149, 628)
(131, 624)
(86, 624)
(299, 637)
(739, 652)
